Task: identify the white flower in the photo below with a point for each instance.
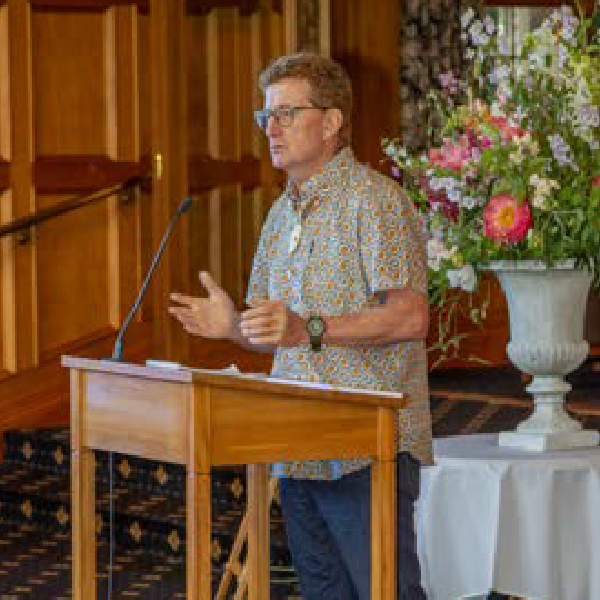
(454, 195)
(478, 35)
(469, 202)
(437, 252)
(490, 26)
(520, 113)
(499, 74)
(542, 190)
(503, 47)
(464, 278)
(466, 17)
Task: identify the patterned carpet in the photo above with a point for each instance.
(149, 520)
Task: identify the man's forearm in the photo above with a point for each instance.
(403, 316)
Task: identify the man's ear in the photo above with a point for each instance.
(332, 122)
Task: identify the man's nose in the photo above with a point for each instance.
(273, 127)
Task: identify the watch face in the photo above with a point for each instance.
(315, 326)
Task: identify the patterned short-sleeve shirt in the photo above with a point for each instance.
(330, 248)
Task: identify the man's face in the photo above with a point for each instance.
(302, 147)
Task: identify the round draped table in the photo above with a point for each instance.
(519, 522)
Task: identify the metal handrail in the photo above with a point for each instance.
(68, 206)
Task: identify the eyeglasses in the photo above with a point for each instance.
(283, 115)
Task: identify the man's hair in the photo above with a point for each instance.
(330, 85)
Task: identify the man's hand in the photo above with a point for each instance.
(273, 323)
(211, 317)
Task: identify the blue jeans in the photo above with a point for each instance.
(329, 532)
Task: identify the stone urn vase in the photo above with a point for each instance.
(547, 312)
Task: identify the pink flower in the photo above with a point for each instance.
(507, 131)
(452, 155)
(596, 181)
(448, 82)
(505, 220)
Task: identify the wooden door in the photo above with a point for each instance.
(71, 79)
(230, 171)
(91, 93)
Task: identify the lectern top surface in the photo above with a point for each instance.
(231, 378)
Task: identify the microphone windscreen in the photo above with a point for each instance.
(185, 205)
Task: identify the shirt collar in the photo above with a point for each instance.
(309, 192)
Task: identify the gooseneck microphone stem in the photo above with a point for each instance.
(118, 348)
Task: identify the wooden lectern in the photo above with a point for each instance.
(203, 419)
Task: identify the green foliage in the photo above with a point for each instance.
(513, 171)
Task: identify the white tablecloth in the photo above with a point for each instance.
(519, 522)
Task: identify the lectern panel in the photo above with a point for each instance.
(306, 429)
(136, 416)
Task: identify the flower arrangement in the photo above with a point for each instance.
(513, 170)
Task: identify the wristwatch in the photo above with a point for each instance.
(315, 326)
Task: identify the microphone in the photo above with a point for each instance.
(118, 349)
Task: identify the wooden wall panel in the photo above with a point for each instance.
(69, 124)
(21, 318)
(90, 92)
(84, 86)
(141, 32)
(73, 276)
(365, 39)
(170, 124)
(5, 199)
(4, 98)
(124, 244)
(226, 167)
(69, 82)
(230, 171)
(224, 119)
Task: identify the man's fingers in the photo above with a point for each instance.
(263, 340)
(256, 311)
(185, 314)
(210, 285)
(258, 325)
(261, 302)
(182, 299)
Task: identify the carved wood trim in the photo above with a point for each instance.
(83, 5)
(61, 174)
(203, 7)
(207, 173)
(4, 170)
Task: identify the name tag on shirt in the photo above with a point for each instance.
(295, 237)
